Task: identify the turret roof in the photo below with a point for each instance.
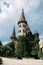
(22, 17)
(13, 34)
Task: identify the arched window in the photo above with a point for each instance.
(19, 31)
(19, 25)
(24, 31)
(24, 26)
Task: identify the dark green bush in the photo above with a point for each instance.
(1, 61)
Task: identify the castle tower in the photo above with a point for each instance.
(13, 36)
(23, 28)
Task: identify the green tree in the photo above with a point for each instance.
(1, 61)
(40, 53)
(30, 36)
(0, 43)
(9, 49)
(22, 48)
(1, 51)
(35, 49)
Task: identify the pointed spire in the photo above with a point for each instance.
(13, 36)
(22, 17)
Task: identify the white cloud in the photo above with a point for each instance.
(10, 14)
(41, 36)
(3, 33)
(27, 5)
(17, 5)
(6, 12)
(4, 43)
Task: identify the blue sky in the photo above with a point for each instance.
(10, 11)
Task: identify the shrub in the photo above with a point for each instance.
(1, 61)
(40, 52)
(22, 48)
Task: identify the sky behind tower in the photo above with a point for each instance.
(10, 11)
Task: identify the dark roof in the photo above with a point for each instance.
(22, 17)
(13, 34)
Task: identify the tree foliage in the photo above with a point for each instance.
(7, 50)
(10, 48)
(0, 43)
(40, 53)
(22, 49)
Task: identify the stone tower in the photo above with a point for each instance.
(23, 27)
(13, 36)
(36, 36)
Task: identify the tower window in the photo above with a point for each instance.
(23, 35)
(24, 26)
(19, 30)
(24, 31)
(19, 25)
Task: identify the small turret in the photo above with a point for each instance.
(13, 36)
(36, 36)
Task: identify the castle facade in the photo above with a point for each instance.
(24, 30)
